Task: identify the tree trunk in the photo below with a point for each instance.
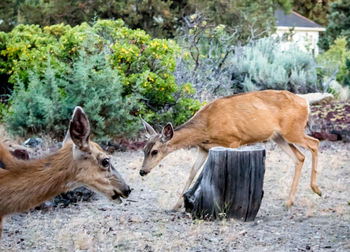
(230, 185)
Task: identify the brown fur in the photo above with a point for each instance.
(26, 184)
(244, 119)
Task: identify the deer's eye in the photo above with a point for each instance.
(105, 163)
(154, 152)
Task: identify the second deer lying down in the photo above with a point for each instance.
(26, 184)
(235, 121)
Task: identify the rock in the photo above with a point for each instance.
(326, 136)
(132, 145)
(20, 154)
(123, 145)
(317, 135)
(71, 197)
(343, 134)
(110, 146)
(46, 206)
(33, 142)
(317, 98)
(330, 121)
(340, 92)
(333, 137)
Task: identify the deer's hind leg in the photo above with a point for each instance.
(312, 144)
(201, 157)
(298, 158)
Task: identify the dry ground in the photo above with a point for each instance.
(142, 223)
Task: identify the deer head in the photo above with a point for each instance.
(157, 146)
(93, 165)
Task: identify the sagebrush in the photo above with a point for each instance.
(217, 64)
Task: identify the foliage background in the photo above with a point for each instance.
(217, 64)
(338, 24)
(48, 47)
(158, 18)
(48, 69)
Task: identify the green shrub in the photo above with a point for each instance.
(33, 108)
(3, 110)
(335, 59)
(27, 47)
(93, 84)
(347, 73)
(48, 101)
(143, 67)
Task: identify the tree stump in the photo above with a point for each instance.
(230, 184)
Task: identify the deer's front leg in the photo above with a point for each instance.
(1, 220)
(201, 157)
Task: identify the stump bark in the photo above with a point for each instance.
(230, 184)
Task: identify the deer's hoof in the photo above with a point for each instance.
(171, 211)
(288, 204)
(316, 190)
(177, 207)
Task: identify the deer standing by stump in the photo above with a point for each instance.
(26, 184)
(235, 121)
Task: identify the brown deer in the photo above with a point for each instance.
(235, 121)
(26, 184)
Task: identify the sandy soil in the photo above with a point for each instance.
(142, 223)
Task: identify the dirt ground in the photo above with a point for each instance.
(142, 222)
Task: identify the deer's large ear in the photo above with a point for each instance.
(79, 128)
(167, 132)
(149, 129)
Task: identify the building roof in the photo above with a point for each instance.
(294, 19)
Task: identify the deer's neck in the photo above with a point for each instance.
(187, 136)
(26, 184)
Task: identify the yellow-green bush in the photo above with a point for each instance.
(144, 65)
(335, 59)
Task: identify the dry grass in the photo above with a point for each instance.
(6, 138)
(141, 223)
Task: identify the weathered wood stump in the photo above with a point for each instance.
(230, 184)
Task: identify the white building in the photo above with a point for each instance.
(301, 30)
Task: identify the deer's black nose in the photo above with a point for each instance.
(143, 173)
(127, 191)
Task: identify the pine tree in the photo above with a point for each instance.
(315, 10)
(347, 77)
(338, 24)
(159, 18)
(45, 106)
(8, 14)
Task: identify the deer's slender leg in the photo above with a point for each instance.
(298, 158)
(1, 220)
(201, 157)
(298, 166)
(312, 144)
